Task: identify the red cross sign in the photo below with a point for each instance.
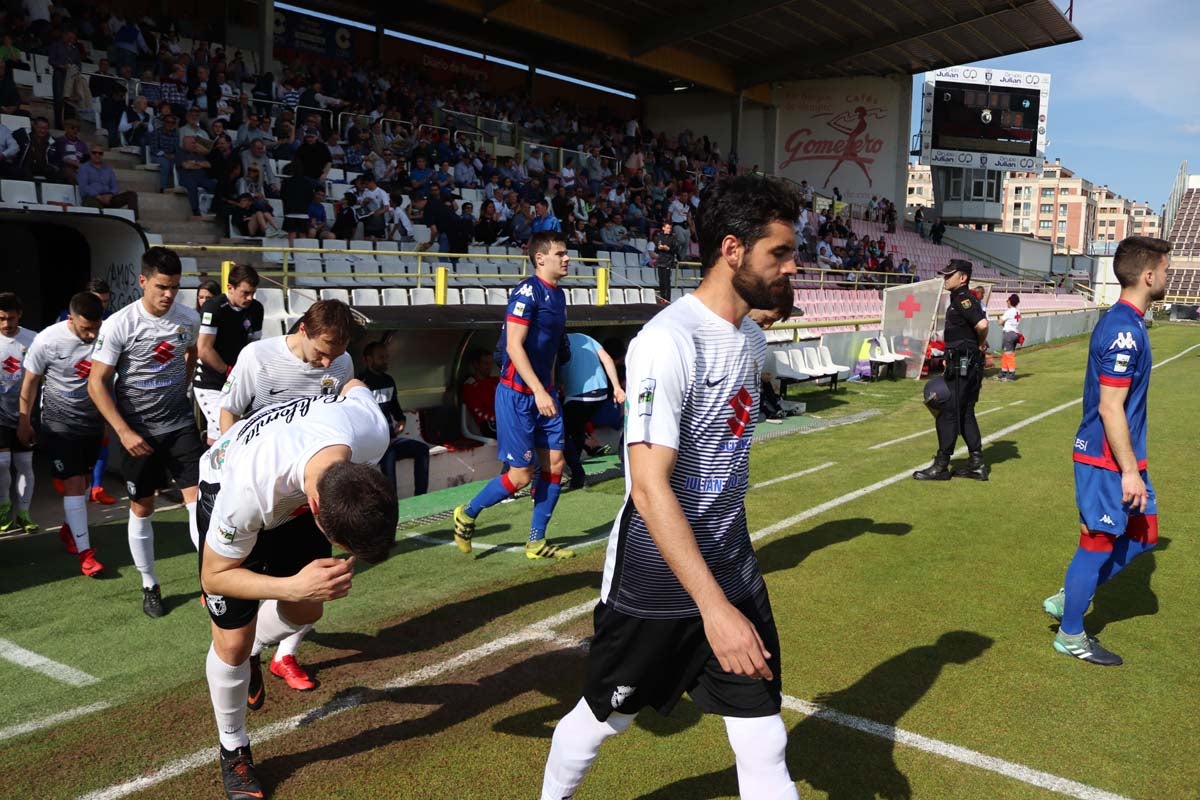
(910, 306)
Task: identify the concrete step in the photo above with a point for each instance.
(154, 208)
(135, 180)
(190, 232)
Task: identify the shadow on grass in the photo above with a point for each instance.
(1129, 595)
(789, 551)
(831, 751)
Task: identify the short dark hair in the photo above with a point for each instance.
(743, 207)
(358, 510)
(542, 241)
(1135, 255)
(161, 260)
(98, 286)
(9, 301)
(86, 305)
(1014, 300)
(243, 273)
(372, 348)
(331, 318)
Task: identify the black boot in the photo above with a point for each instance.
(974, 468)
(939, 470)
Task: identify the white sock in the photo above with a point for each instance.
(758, 745)
(227, 687)
(75, 511)
(576, 742)
(24, 462)
(5, 478)
(193, 531)
(291, 644)
(273, 627)
(141, 547)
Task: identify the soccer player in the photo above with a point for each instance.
(528, 422)
(1118, 513)
(228, 323)
(14, 342)
(683, 605)
(383, 386)
(60, 358)
(277, 489)
(149, 346)
(311, 361)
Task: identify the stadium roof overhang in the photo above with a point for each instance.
(653, 47)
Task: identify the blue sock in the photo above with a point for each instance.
(492, 493)
(1124, 551)
(545, 498)
(1083, 576)
(101, 463)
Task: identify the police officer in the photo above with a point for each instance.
(966, 343)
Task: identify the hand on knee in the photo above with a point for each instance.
(300, 614)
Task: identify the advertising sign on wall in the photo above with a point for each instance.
(298, 34)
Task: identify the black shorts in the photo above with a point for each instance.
(176, 455)
(374, 226)
(70, 454)
(634, 663)
(295, 225)
(279, 552)
(9, 440)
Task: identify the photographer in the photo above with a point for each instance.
(966, 342)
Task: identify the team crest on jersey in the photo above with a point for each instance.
(327, 384)
(1124, 341)
(646, 397)
(217, 459)
(519, 309)
(1122, 363)
(226, 533)
(207, 318)
(216, 604)
(182, 334)
(621, 694)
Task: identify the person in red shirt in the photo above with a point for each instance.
(479, 391)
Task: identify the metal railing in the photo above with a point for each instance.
(389, 124)
(501, 132)
(479, 137)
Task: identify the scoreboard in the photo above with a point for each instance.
(978, 118)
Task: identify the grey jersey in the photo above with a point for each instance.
(268, 373)
(12, 374)
(64, 362)
(150, 357)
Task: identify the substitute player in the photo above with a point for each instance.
(228, 322)
(14, 343)
(683, 605)
(311, 361)
(1118, 512)
(529, 425)
(277, 489)
(149, 345)
(58, 362)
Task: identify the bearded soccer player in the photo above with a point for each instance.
(58, 362)
(1118, 512)
(311, 361)
(277, 489)
(14, 343)
(529, 423)
(683, 605)
(150, 345)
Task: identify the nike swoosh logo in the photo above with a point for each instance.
(275, 391)
(714, 383)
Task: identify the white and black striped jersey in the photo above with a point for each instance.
(259, 463)
(693, 386)
(64, 362)
(150, 357)
(267, 373)
(12, 374)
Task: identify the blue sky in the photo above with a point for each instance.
(1125, 102)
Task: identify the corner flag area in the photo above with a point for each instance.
(917, 660)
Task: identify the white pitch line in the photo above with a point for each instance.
(1008, 769)
(891, 442)
(50, 721)
(799, 474)
(18, 655)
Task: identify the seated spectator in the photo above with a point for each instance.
(543, 220)
(616, 236)
(487, 229)
(194, 129)
(136, 124)
(10, 54)
(10, 98)
(250, 222)
(346, 224)
(421, 176)
(566, 176)
(72, 150)
(318, 221)
(464, 173)
(39, 158)
(444, 179)
(193, 167)
(479, 391)
(257, 156)
(536, 166)
(98, 184)
(336, 152)
(387, 169)
(521, 226)
(400, 227)
(163, 145)
(373, 204)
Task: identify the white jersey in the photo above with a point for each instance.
(693, 384)
(64, 362)
(150, 357)
(268, 373)
(1011, 319)
(259, 462)
(12, 374)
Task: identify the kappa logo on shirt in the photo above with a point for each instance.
(1124, 341)
(621, 694)
(1107, 520)
(526, 291)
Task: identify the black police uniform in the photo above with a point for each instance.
(964, 376)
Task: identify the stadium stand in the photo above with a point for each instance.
(1185, 228)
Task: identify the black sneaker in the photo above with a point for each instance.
(256, 693)
(237, 773)
(152, 602)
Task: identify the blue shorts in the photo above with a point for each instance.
(1098, 497)
(521, 430)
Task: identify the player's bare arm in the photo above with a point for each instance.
(1116, 431)
(734, 639)
(320, 581)
(610, 369)
(29, 393)
(99, 381)
(515, 347)
(206, 351)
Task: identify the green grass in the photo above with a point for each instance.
(915, 605)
